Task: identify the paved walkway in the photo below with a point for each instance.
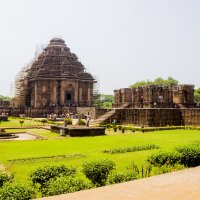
(181, 185)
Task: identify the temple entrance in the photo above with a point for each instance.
(68, 98)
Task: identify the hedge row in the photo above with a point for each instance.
(131, 149)
(189, 156)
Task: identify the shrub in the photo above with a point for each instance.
(43, 121)
(63, 185)
(168, 168)
(82, 122)
(68, 121)
(190, 155)
(123, 129)
(43, 175)
(21, 122)
(120, 127)
(114, 128)
(162, 158)
(5, 178)
(97, 171)
(131, 149)
(108, 126)
(119, 177)
(17, 191)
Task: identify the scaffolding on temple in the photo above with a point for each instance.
(53, 62)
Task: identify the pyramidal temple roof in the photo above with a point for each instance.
(57, 62)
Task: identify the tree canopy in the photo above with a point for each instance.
(104, 101)
(4, 98)
(197, 95)
(158, 81)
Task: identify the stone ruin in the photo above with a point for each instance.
(155, 96)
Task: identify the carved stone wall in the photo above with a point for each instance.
(155, 96)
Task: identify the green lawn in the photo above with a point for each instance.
(88, 147)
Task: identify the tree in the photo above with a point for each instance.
(104, 101)
(158, 81)
(197, 95)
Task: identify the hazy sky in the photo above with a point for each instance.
(119, 41)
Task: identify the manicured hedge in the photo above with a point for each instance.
(63, 185)
(98, 170)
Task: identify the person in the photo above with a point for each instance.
(88, 119)
(114, 121)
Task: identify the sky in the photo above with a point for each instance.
(118, 41)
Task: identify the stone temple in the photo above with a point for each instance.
(54, 78)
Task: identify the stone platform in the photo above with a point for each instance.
(78, 131)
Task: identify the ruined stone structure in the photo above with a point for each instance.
(54, 78)
(155, 96)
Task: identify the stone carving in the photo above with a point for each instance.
(155, 96)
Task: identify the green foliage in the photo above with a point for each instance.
(190, 155)
(97, 171)
(21, 122)
(17, 191)
(197, 95)
(123, 129)
(120, 127)
(104, 101)
(44, 121)
(163, 158)
(107, 104)
(44, 174)
(68, 121)
(119, 177)
(166, 168)
(82, 122)
(63, 185)
(131, 149)
(114, 128)
(4, 98)
(4, 178)
(158, 81)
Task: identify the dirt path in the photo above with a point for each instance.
(181, 185)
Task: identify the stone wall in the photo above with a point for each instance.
(158, 117)
(156, 96)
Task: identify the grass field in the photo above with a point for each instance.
(86, 148)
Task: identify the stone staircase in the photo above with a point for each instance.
(104, 117)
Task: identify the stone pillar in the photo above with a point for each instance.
(35, 100)
(89, 99)
(80, 95)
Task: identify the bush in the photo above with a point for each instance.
(98, 171)
(63, 185)
(114, 128)
(168, 168)
(190, 155)
(123, 129)
(82, 122)
(68, 121)
(43, 175)
(131, 149)
(119, 177)
(120, 127)
(17, 191)
(162, 158)
(5, 178)
(43, 121)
